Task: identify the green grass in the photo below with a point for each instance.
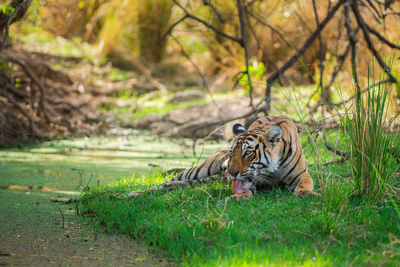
(369, 128)
(196, 227)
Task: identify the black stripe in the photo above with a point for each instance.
(209, 168)
(284, 149)
(179, 177)
(294, 166)
(189, 173)
(265, 156)
(259, 121)
(279, 123)
(267, 118)
(197, 172)
(290, 151)
(287, 157)
(260, 163)
(295, 178)
(222, 160)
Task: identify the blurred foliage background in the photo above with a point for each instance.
(174, 45)
(119, 26)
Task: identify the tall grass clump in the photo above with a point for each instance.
(369, 130)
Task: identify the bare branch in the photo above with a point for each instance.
(382, 38)
(331, 148)
(252, 2)
(191, 61)
(361, 92)
(168, 32)
(188, 15)
(370, 44)
(245, 47)
(259, 47)
(324, 94)
(338, 161)
(352, 38)
(211, 5)
(20, 9)
(338, 68)
(374, 11)
(301, 51)
(271, 28)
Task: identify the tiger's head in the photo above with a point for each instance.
(254, 154)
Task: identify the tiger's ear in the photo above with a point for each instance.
(274, 134)
(238, 129)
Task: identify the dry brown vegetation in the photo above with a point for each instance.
(298, 42)
(275, 31)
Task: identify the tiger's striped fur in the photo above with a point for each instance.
(267, 154)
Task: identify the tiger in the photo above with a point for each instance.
(267, 154)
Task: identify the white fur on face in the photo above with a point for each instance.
(248, 144)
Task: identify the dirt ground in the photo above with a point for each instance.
(38, 232)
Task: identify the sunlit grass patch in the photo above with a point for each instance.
(41, 41)
(197, 226)
(128, 107)
(135, 182)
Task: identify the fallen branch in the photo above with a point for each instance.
(32, 124)
(42, 88)
(40, 107)
(331, 148)
(338, 161)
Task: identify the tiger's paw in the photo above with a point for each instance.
(243, 196)
(302, 193)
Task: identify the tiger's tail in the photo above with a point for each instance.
(206, 172)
